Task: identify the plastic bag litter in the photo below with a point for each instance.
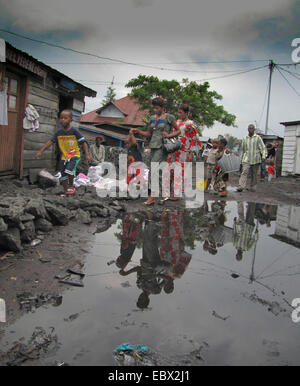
(131, 347)
(82, 180)
(95, 172)
(109, 184)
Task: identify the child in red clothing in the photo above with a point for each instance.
(271, 172)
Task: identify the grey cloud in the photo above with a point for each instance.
(142, 3)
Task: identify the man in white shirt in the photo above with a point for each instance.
(97, 151)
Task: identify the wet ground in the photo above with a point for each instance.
(211, 286)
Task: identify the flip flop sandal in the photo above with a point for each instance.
(148, 203)
(163, 200)
(71, 191)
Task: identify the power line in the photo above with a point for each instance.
(237, 73)
(218, 77)
(264, 105)
(101, 63)
(294, 74)
(120, 61)
(288, 81)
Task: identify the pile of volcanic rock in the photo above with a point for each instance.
(29, 214)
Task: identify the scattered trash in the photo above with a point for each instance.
(219, 316)
(71, 317)
(82, 180)
(7, 255)
(62, 274)
(35, 242)
(13, 278)
(76, 270)
(235, 276)
(73, 281)
(39, 344)
(60, 364)
(29, 302)
(66, 276)
(140, 355)
(111, 262)
(126, 284)
(137, 348)
(45, 259)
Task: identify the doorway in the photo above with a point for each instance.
(11, 134)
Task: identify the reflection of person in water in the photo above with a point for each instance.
(130, 232)
(160, 265)
(151, 278)
(215, 230)
(245, 234)
(263, 213)
(172, 246)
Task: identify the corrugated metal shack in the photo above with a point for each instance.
(291, 148)
(29, 81)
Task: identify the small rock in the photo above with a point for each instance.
(83, 217)
(36, 207)
(58, 214)
(3, 225)
(33, 175)
(43, 225)
(46, 180)
(11, 240)
(27, 217)
(28, 233)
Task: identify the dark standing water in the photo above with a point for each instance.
(221, 277)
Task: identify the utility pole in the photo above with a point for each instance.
(271, 68)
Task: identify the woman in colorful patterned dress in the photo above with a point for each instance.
(161, 125)
(191, 145)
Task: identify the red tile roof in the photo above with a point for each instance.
(127, 106)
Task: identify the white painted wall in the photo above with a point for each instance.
(291, 150)
(288, 222)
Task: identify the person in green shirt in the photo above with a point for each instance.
(253, 153)
(159, 127)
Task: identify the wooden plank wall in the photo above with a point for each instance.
(46, 101)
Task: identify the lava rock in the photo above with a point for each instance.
(94, 209)
(43, 225)
(28, 233)
(3, 225)
(36, 207)
(27, 217)
(33, 175)
(83, 217)
(46, 180)
(58, 214)
(11, 240)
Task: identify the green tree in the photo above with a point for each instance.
(205, 110)
(110, 95)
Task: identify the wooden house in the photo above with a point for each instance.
(291, 148)
(29, 81)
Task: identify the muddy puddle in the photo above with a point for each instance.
(211, 286)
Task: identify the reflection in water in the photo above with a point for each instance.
(222, 251)
(163, 255)
(163, 237)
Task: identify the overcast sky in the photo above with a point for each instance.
(173, 34)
